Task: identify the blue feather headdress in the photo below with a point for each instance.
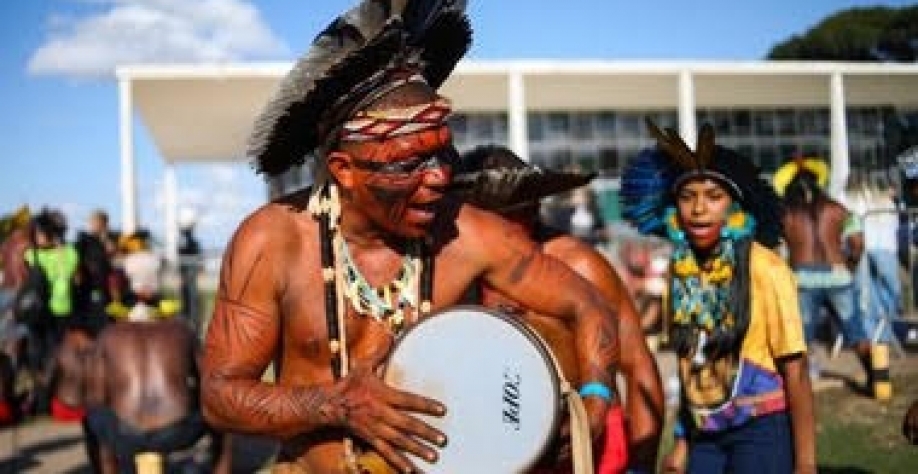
(650, 179)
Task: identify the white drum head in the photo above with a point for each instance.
(498, 384)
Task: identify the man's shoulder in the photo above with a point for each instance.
(275, 218)
(570, 249)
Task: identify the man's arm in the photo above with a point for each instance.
(644, 388)
(241, 341)
(800, 400)
(515, 266)
(244, 336)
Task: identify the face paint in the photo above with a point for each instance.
(405, 177)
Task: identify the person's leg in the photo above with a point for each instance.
(809, 299)
(763, 446)
(844, 301)
(889, 294)
(706, 456)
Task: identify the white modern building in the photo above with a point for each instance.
(558, 113)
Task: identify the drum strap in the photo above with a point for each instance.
(581, 441)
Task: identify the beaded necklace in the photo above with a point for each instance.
(325, 205)
(381, 303)
(701, 293)
(343, 280)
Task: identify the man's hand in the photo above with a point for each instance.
(597, 410)
(380, 415)
(674, 462)
(910, 423)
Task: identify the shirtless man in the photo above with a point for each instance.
(69, 375)
(824, 243)
(375, 246)
(644, 390)
(142, 394)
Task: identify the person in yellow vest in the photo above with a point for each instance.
(58, 261)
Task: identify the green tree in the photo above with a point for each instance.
(857, 34)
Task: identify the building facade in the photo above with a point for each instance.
(564, 113)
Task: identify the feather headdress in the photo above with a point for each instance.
(650, 180)
(350, 60)
(495, 178)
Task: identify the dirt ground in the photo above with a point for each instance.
(44, 446)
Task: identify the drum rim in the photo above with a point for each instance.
(538, 342)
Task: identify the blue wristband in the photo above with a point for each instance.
(679, 430)
(596, 389)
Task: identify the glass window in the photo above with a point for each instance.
(722, 123)
(582, 126)
(458, 124)
(536, 127)
(631, 125)
(786, 122)
(605, 124)
(558, 125)
(765, 123)
(609, 161)
(811, 122)
(480, 128)
(499, 126)
(742, 122)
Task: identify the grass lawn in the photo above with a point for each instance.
(856, 434)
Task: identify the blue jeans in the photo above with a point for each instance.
(885, 297)
(843, 301)
(765, 445)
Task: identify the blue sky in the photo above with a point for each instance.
(60, 145)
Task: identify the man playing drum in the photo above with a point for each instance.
(321, 282)
(494, 178)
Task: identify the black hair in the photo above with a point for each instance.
(51, 223)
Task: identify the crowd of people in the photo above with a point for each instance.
(89, 336)
(323, 284)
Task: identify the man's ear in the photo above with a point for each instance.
(339, 165)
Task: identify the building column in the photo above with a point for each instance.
(128, 178)
(517, 131)
(688, 129)
(839, 136)
(170, 212)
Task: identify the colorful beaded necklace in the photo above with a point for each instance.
(701, 292)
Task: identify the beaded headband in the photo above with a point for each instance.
(384, 124)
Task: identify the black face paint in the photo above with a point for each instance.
(395, 197)
(412, 166)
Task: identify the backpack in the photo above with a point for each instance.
(31, 303)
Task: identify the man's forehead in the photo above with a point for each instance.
(402, 147)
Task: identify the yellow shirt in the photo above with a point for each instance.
(728, 392)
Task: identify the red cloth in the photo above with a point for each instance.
(62, 412)
(613, 457)
(610, 453)
(6, 413)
